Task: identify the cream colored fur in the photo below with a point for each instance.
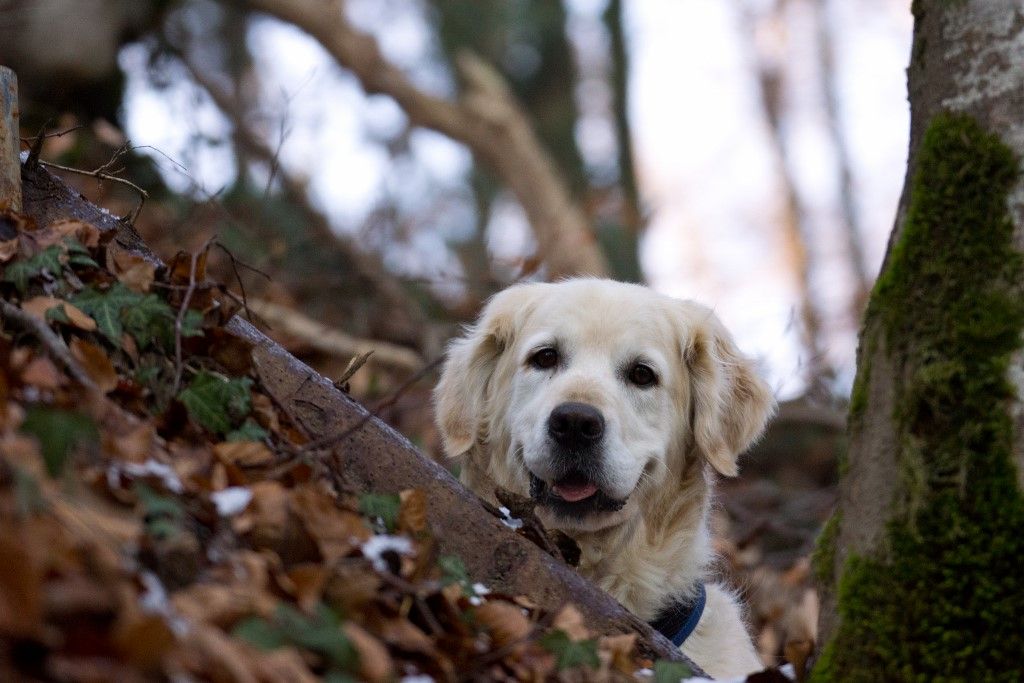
(662, 442)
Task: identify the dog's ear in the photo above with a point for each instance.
(461, 396)
(730, 404)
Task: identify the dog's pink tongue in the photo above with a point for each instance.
(574, 492)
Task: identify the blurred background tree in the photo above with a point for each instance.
(377, 168)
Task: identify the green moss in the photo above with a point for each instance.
(823, 560)
(859, 393)
(944, 601)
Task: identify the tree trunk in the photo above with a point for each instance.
(921, 563)
(10, 169)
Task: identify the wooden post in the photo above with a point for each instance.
(10, 164)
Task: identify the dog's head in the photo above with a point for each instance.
(588, 394)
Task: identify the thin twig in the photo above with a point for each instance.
(32, 140)
(235, 262)
(182, 310)
(50, 341)
(358, 361)
(334, 439)
(101, 175)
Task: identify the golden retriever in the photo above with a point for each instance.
(611, 405)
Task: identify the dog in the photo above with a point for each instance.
(613, 407)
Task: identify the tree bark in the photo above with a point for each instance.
(10, 169)
(374, 458)
(919, 563)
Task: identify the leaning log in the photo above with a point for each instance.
(375, 458)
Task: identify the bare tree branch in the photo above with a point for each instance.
(367, 265)
(849, 214)
(485, 118)
(769, 78)
(332, 341)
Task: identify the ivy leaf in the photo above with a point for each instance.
(249, 431)
(149, 319)
(106, 307)
(217, 403)
(453, 570)
(164, 516)
(78, 255)
(260, 633)
(383, 507)
(58, 432)
(21, 272)
(321, 634)
(666, 671)
(571, 653)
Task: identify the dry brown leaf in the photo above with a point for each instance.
(307, 584)
(404, 634)
(505, 622)
(21, 583)
(143, 639)
(336, 532)
(96, 364)
(621, 648)
(8, 249)
(135, 443)
(374, 661)
(243, 453)
(265, 412)
(352, 587)
(266, 517)
(131, 269)
(42, 373)
(570, 620)
(283, 665)
(86, 233)
(222, 605)
(38, 306)
(412, 516)
(212, 655)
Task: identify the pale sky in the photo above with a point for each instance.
(705, 169)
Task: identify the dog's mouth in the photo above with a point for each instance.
(573, 494)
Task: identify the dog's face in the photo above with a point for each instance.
(589, 394)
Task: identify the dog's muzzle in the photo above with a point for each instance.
(575, 431)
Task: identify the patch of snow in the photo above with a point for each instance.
(154, 601)
(508, 520)
(374, 549)
(164, 472)
(232, 500)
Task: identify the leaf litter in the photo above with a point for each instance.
(154, 534)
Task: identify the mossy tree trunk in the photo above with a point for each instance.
(921, 564)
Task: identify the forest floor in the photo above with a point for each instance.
(159, 516)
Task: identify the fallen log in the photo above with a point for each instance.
(375, 458)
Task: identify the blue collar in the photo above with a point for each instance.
(678, 621)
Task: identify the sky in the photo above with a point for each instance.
(705, 168)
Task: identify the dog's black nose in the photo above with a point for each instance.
(576, 425)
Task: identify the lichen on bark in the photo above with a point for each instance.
(941, 599)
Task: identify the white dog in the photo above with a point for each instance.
(610, 405)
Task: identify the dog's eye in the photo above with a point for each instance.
(642, 375)
(544, 359)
